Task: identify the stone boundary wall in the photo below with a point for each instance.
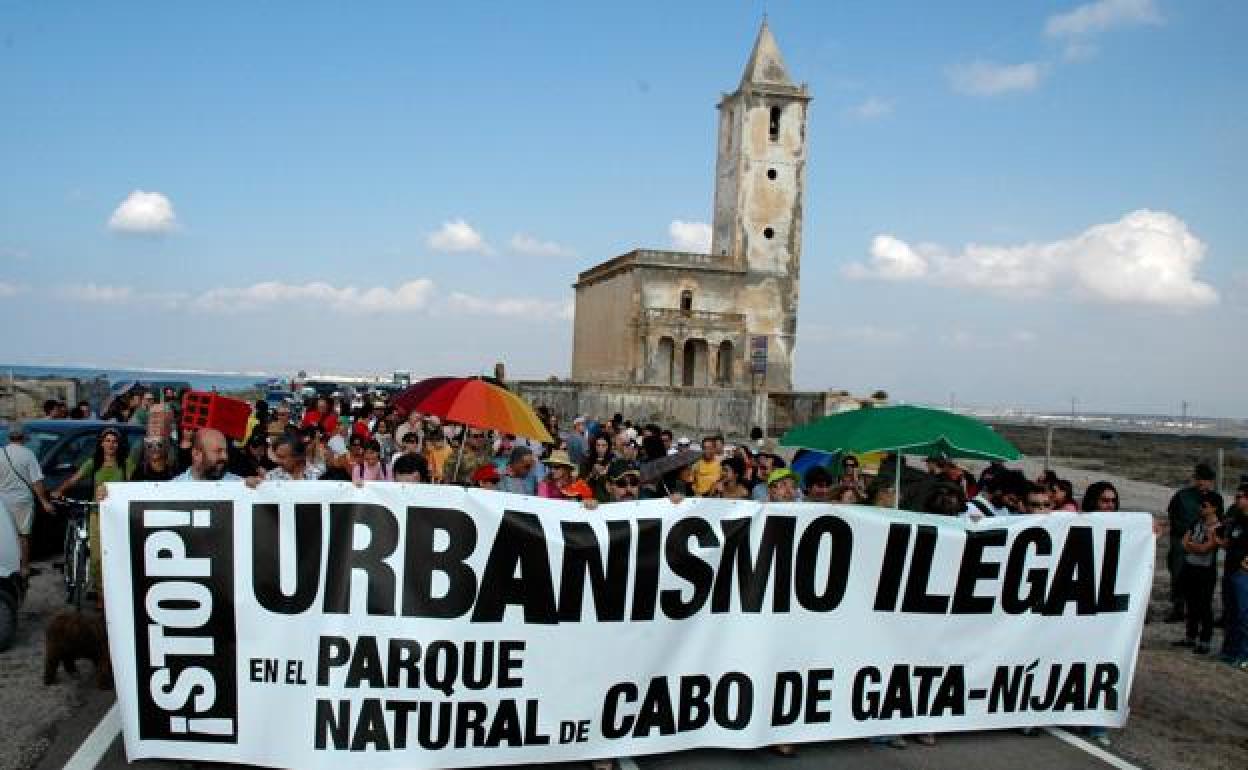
(702, 410)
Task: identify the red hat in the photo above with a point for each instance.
(486, 472)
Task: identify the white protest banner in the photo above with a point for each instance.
(320, 625)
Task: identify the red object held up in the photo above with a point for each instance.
(210, 410)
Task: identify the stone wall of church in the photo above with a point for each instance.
(700, 410)
(604, 341)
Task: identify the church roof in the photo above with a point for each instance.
(766, 66)
(657, 259)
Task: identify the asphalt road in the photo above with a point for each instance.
(960, 751)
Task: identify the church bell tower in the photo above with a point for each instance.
(760, 184)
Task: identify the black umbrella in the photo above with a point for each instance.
(656, 469)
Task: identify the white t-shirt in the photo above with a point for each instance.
(13, 490)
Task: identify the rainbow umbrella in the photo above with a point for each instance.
(474, 402)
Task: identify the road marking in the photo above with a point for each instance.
(92, 749)
(1093, 749)
(626, 763)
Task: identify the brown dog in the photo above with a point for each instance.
(74, 636)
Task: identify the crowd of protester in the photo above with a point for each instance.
(599, 460)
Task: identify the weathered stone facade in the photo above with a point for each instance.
(676, 319)
(731, 411)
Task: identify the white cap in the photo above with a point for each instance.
(683, 441)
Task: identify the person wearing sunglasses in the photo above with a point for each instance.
(624, 480)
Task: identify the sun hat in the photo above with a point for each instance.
(559, 457)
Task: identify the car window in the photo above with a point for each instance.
(41, 442)
(75, 451)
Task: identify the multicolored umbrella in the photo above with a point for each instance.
(473, 402)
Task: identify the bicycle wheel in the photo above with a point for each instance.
(79, 586)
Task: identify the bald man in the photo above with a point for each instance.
(209, 455)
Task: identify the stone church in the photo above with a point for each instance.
(727, 319)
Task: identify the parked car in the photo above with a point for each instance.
(62, 446)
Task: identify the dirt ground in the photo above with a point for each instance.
(1186, 711)
(30, 712)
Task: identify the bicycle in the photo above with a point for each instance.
(77, 549)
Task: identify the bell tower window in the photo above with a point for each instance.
(686, 302)
(773, 126)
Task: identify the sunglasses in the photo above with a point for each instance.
(627, 481)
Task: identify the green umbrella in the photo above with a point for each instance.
(902, 429)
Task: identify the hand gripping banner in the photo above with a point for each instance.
(320, 625)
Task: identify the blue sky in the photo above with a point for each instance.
(396, 185)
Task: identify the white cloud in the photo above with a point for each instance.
(523, 243)
(94, 293)
(1094, 17)
(874, 107)
(690, 236)
(511, 307)
(8, 290)
(456, 237)
(105, 294)
(985, 78)
(145, 213)
(413, 295)
(1147, 257)
(891, 259)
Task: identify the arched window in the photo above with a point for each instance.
(773, 127)
(686, 301)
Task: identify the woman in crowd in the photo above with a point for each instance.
(1063, 496)
(370, 467)
(851, 477)
(1100, 496)
(560, 473)
(594, 469)
(730, 484)
(111, 462)
(1199, 575)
